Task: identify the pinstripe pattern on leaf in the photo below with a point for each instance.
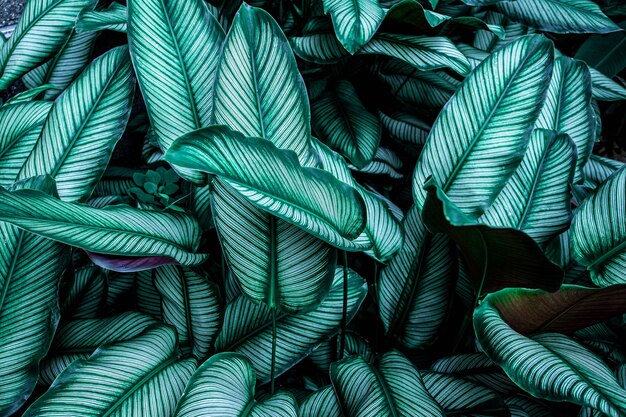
(322, 402)
(114, 18)
(355, 21)
(479, 137)
(83, 126)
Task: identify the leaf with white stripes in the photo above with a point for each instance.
(391, 387)
(113, 18)
(549, 365)
(355, 21)
(121, 379)
(567, 108)
(64, 67)
(598, 232)
(76, 150)
(415, 288)
(479, 137)
(20, 126)
(272, 179)
(322, 402)
(247, 327)
(176, 75)
(113, 230)
(43, 28)
(318, 42)
(342, 122)
(78, 339)
(489, 42)
(405, 127)
(191, 304)
(537, 198)
(30, 269)
(598, 169)
(224, 385)
(559, 16)
(604, 88)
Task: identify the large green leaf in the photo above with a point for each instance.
(549, 365)
(76, 150)
(604, 88)
(176, 75)
(114, 230)
(273, 180)
(78, 339)
(415, 289)
(322, 402)
(30, 269)
(598, 169)
(190, 303)
(224, 386)
(247, 327)
(41, 31)
(537, 198)
(598, 233)
(20, 125)
(355, 21)
(121, 379)
(114, 18)
(61, 70)
(342, 122)
(488, 41)
(392, 387)
(606, 53)
(567, 108)
(479, 137)
(559, 16)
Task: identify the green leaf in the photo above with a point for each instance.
(604, 88)
(342, 122)
(606, 53)
(30, 268)
(598, 169)
(355, 21)
(495, 257)
(318, 42)
(549, 365)
(598, 233)
(120, 379)
(41, 31)
(479, 137)
(61, 70)
(84, 293)
(322, 402)
(191, 304)
(224, 386)
(392, 387)
(415, 289)
(20, 125)
(537, 198)
(489, 42)
(112, 18)
(176, 76)
(100, 101)
(273, 180)
(567, 108)
(113, 230)
(405, 127)
(78, 339)
(247, 327)
(559, 16)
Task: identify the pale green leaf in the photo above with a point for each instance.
(355, 21)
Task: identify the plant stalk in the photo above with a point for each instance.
(344, 310)
(273, 370)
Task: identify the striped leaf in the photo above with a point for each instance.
(191, 304)
(322, 402)
(112, 18)
(415, 289)
(604, 52)
(318, 42)
(342, 122)
(121, 379)
(549, 365)
(273, 180)
(174, 73)
(113, 230)
(247, 327)
(537, 198)
(458, 396)
(84, 293)
(567, 108)
(479, 137)
(78, 339)
(43, 28)
(405, 127)
(20, 125)
(355, 21)
(598, 233)
(605, 89)
(559, 16)
(392, 387)
(61, 70)
(598, 169)
(224, 385)
(100, 101)
(385, 162)
(30, 269)
(488, 41)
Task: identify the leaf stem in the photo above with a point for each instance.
(344, 310)
(273, 370)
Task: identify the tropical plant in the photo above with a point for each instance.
(313, 208)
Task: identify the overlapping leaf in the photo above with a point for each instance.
(355, 21)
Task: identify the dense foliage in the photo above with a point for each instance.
(313, 208)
